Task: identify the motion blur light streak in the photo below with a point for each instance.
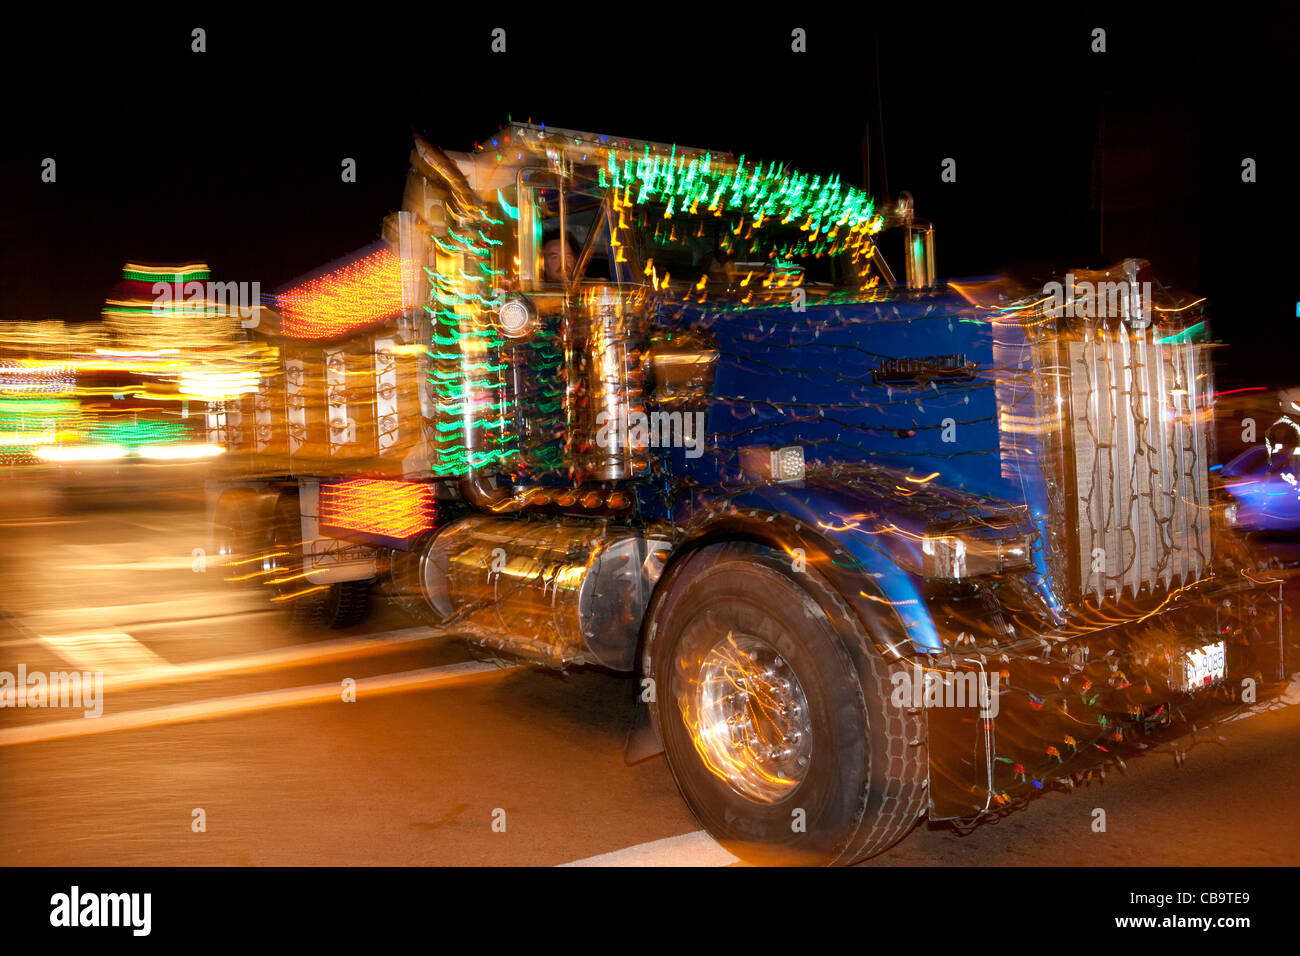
(213, 385)
(351, 297)
(32, 377)
(171, 452)
(80, 452)
(393, 509)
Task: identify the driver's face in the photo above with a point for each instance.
(551, 260)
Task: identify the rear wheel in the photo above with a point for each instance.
(341, 604)
(345, 604)
(774, 711)
(241, 534)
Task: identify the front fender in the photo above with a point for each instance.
(869, 560)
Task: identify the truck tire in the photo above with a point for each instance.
(345, 604)
(342, 604)
(774, 710)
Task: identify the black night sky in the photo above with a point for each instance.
(1064, 156)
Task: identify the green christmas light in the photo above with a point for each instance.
(763, 193)
(196, 275)
(134, 434)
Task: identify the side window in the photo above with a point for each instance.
(559, 218)
(541, 230)
(597, 264)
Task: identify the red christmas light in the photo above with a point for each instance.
(392, 509)
(351, 297)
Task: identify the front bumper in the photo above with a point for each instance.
(1065, 705)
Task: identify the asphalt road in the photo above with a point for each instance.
(214, 711)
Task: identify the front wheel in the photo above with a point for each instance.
(774, 711)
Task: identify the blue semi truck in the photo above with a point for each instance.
(876, 547)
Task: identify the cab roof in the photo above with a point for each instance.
(524, 138)
(494, 161)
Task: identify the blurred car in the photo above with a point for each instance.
(1263, 484)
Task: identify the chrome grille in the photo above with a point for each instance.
(1138, 421)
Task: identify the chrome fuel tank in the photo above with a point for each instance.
(560, 591)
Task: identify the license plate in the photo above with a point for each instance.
(1204, 666)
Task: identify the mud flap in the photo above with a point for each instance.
(642, 740)
(961, 756)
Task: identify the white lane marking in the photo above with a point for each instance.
(177, 610)
(248, 703)
(100, 557)
(36, 522)
(1287, 698)
(689, 849)
(115, 653)
(276, 658)
(109, 557)
(171, 563)
(193, 622)
(153, 527)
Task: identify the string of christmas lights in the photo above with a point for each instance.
(393, 509)
(354, 296)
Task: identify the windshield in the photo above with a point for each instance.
(725, 251)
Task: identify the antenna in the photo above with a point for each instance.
(880, 114)
(866, 159)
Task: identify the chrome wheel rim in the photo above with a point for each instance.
(748, 718)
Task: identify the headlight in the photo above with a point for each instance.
(1230, 515)
(516, 317)
(959, 554)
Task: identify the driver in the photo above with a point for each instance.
(551, 259)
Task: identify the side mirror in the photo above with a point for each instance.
(920, 255)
